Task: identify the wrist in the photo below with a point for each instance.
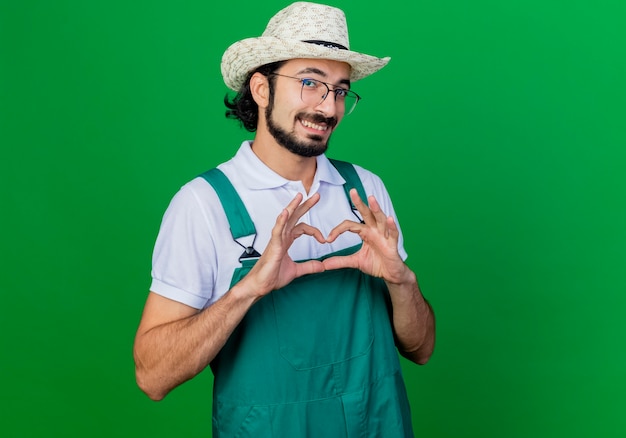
(406, 277)
(244, 291)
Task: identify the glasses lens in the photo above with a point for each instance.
(350, 99)
(314, 92)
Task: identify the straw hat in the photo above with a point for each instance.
(301, 30)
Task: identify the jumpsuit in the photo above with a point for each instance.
(316, 358)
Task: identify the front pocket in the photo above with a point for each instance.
(324, 318)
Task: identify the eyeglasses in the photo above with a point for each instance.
(314, 92)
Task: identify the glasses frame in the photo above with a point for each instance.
(328, 86)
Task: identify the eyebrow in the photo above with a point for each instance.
(317, 71)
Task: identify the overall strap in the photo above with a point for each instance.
(348, 172)
(241, 224)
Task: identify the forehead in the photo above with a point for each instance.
(334, 70)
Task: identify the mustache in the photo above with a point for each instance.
(319, 119)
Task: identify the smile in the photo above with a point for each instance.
(312, 125)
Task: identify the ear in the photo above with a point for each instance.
(259, 87)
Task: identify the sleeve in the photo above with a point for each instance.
(374, 185)
(184, 254)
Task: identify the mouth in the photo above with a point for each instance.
(317, 122)
(315, 126)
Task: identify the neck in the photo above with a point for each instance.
(285, 163)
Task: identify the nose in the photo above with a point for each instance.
(329, 107)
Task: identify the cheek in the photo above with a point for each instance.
(286, 106)
(290, 99)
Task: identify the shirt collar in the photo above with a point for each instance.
(259, 176)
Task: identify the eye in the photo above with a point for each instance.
(309, 83)
(341, 92)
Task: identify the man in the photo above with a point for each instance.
(274, 270)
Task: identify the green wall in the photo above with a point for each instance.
(498, 127)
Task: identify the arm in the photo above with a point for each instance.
(413, 318)
(175, 342)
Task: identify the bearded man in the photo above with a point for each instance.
(284, 270)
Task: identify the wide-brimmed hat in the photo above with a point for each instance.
(301, 30)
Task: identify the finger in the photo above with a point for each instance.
(294, 203)
(309, 267)
(371, 215)
(309, 230)
(381, 218)
(392, 228)
(346, 225)
(375, 208)
(279, 228)
(339, 262)
(366, 213)
(301, 209)
(285, 219)
(307, 205)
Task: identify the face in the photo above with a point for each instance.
(305, 128)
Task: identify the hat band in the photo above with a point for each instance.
(326, 44)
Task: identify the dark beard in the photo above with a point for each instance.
(288, 140)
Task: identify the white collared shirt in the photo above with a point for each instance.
(195, 255)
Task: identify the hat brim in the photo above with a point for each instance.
(246, 55)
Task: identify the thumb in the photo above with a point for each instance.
(338, 262)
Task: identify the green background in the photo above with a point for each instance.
(498, 126)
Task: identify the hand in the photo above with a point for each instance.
(379, 254)
(275, 268)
